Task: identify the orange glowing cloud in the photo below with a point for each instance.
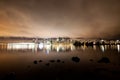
(53, 18)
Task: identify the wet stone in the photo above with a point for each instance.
(47, 64)
(35, 62)
(104, 60)
(75, 59)
(40, 61)
(91, 60)
(58, 60)
(52, 61)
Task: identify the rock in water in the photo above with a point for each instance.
(47, 64)
(75, 59)
(40, 61)
(35, 62)
(91, 60)
(58, 60)
(52, 61)
(104, 60)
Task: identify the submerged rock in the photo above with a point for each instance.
(35, 62)
(58, 60)
(75, 59)
(52, 61)
(91, 60)
(47, 64)
(104, 60)
(40, 61)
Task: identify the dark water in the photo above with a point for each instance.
(30, 61)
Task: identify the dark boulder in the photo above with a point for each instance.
(47, 64)
(104, 60)
(58, 60)
(35, 62)
(40, 61)
(52, 61)
(75, 59)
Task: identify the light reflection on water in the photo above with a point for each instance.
(54, 47)
(24, 63)
(118, 48)
(102, 48)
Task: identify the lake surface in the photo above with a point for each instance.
(31, 61)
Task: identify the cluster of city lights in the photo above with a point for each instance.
(53, 47)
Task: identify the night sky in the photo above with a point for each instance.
(60, 18)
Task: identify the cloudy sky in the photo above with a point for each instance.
(53, 18)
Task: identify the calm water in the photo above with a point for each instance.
(23, 61)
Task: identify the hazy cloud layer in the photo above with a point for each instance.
(53, 18)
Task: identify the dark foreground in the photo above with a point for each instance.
(61, 70)
(79, 64)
